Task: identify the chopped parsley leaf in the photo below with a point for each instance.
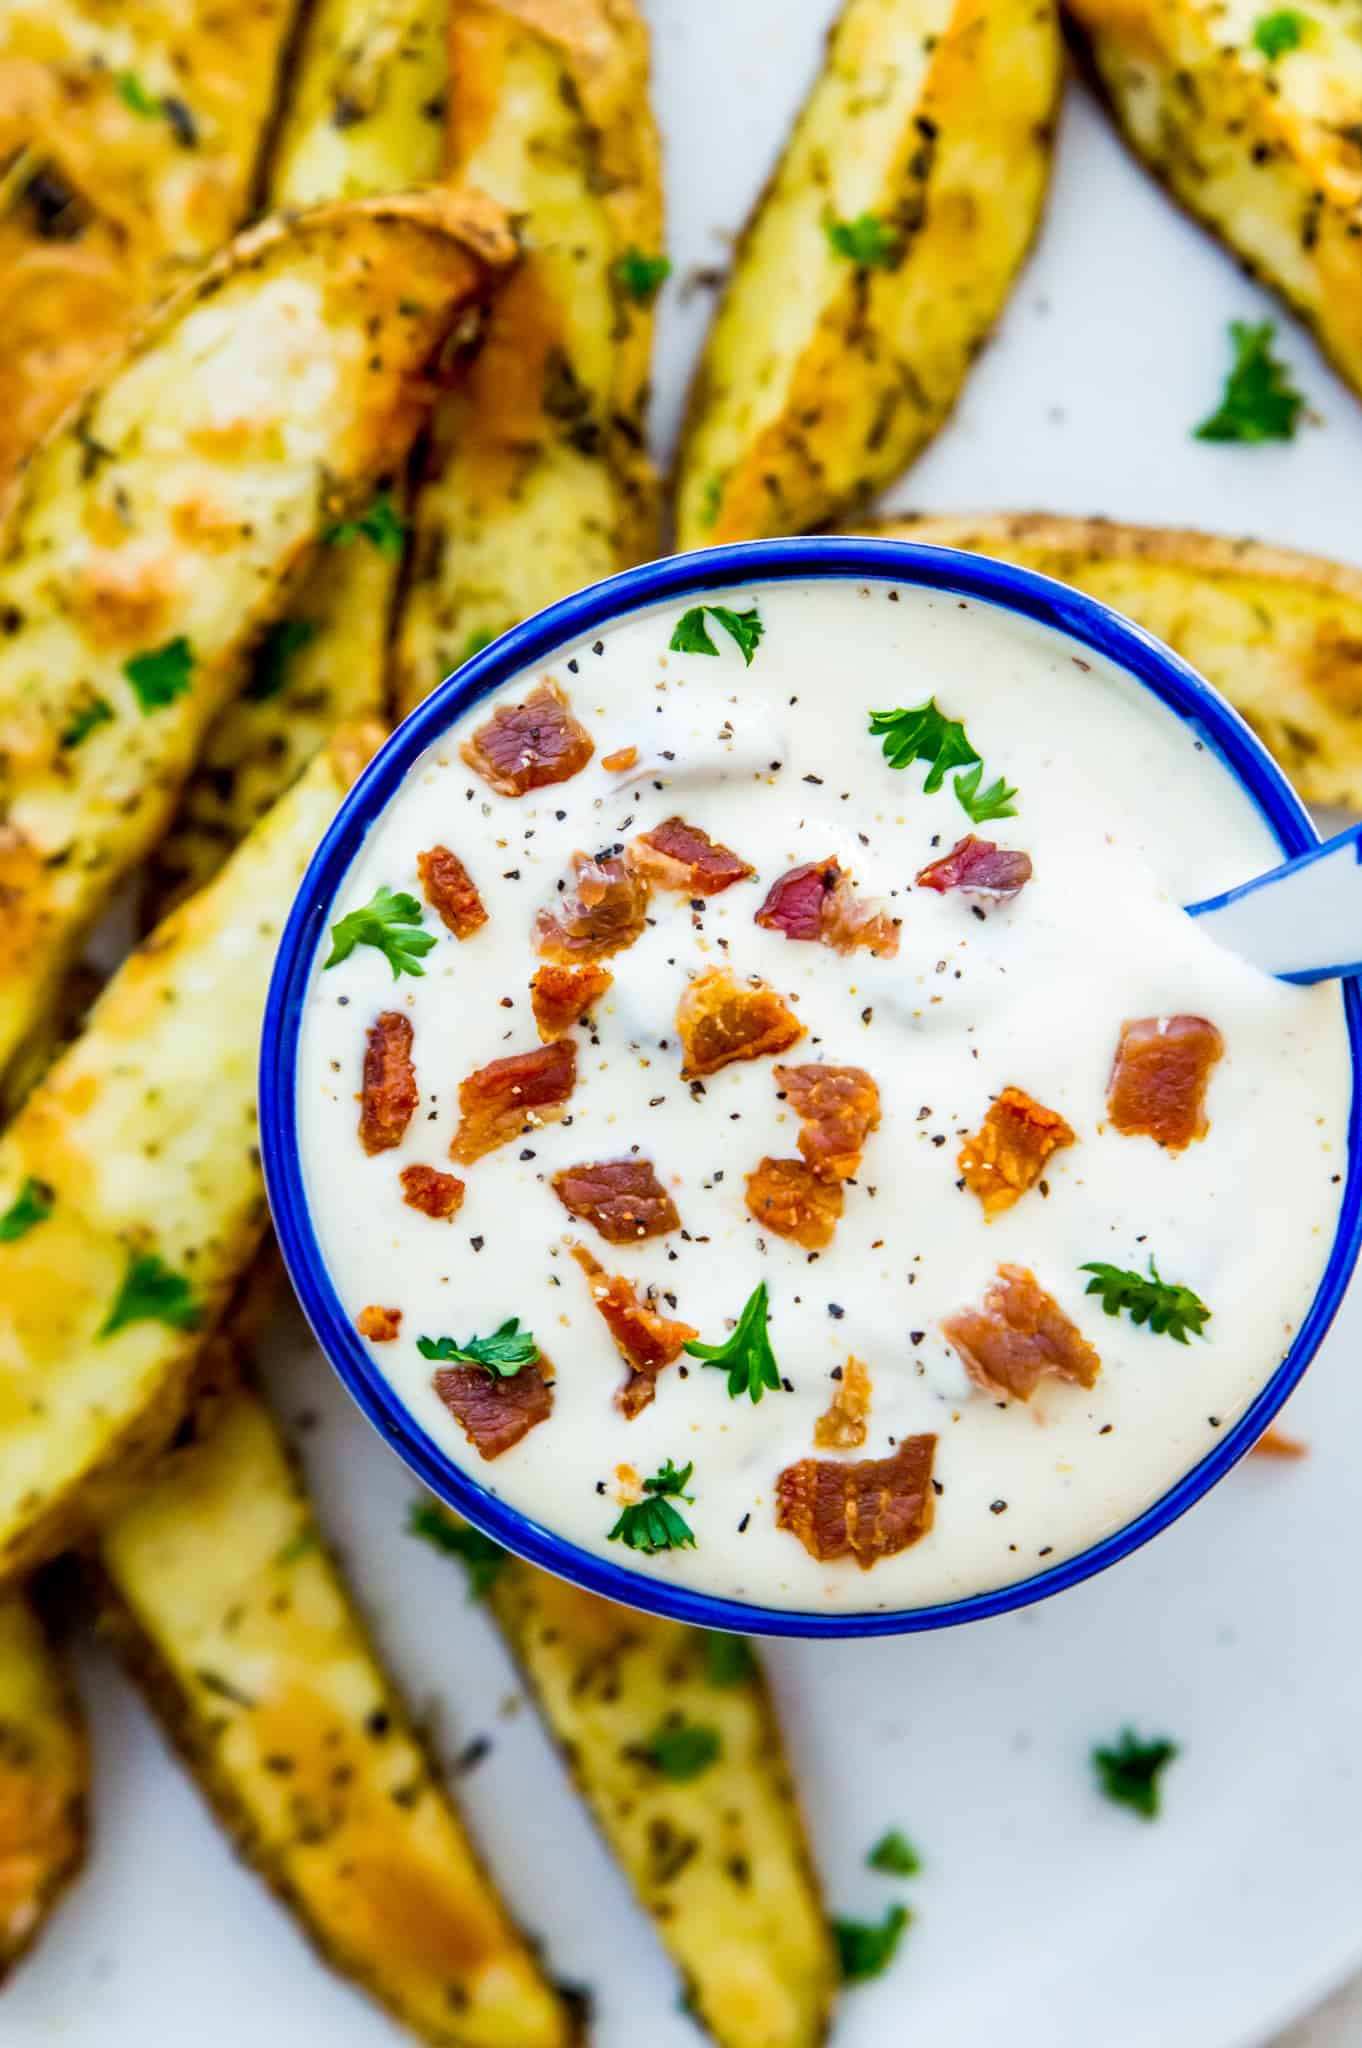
(87, 714)
(654, 1524)
(641, 277)
(924, 734)
(710, 500)
(483, 1558)
(1129, 1774)
(865, 241)
(864, 1949)
(298, 1546)
(32, 1205)
(1169, 1310)
(728, 1659)
(690, 635)
(161, 674)
(152, 1293)
(482, 636)
(681, 1750)
(134, 94)
(269, 670)
(383, 922)
(503, 1353)
(982, 805)
(1279, 32)
(746, 1356)
(895, 1855)
(1260, 403)
(380, 523)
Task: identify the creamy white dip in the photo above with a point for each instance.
(1125, 815)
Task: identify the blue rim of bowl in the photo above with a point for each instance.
(575, 620)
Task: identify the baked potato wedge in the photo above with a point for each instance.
(875, 264)
(233, 1616)
(1261, 142)
(131, 1191)
(365, 109)
(44, 1768)
(161, 529)
(1279, 633)
(537, 480)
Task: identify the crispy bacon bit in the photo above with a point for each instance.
(977, 867)
(841, 1426)
(1018, 1335)
(379, 1325)
(675, 855)
(390, 1095)
(450, 889)
(721, 1019)
(867, 1508)
(1158, 1081)
(602, 915)
(787, 1196)
(1006, 1154)
(647, 1340)
(1274, 1443)
(819, 902)
(434, 1194)
(561, 996)
(621, 1198)
(524, 746)
(503, 1100)
(621, 760)
(495, 1413)
(838, 1107)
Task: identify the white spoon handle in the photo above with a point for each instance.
(1301, 921)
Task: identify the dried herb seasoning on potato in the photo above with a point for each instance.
(43, 1773)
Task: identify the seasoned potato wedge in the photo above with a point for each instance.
(537, 481)
(234, 1617)
(132, 1186)
(1280, 633)
(129, 137)
(719, 1859)
(366, 105)
(1267, 151)
(43, 1773)
(159, 531)
(875, 264)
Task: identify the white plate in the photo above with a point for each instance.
(1046, 1918)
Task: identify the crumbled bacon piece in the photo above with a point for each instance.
(621, 1198)
(389, 1096)
(838, 1107)
(647, 1340)
(434, 1194)
(866, 1508)
(603, 914)
(524, 746)
(450, 889)
(495, 1413)
(842, 1425)
(1018, 1335)
(977, 867)
(1274, 1443)
(787, 1196)
(508, 1097)
(561, 996)
(675, 855)
(1006, 1154)
(818, 901)
(1158, 1081)
(721, 1019)
(379, 1325)
(621, 760)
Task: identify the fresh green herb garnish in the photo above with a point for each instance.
(285, 638)
(383, 922)
(923, 734)
(503, 1353)
(864, 1949)
(983, 804)
(134, 94)
(380, 523)
(33, 1204)
(710, 500)
(483, 1558)
(728, 1659)
(298, 1546)
(1170, 1311)
(895, 1855)
(480, 637)
(1129, 1774)
(152, 1293)
(681, 1750)
(746, 1356)
(1277, 33)
(89, 713)
(642, 277)
(654, 1524)
(1260, 403)
(865, 241)
(692, 637)
(162, 674)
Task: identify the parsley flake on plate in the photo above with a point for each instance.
(503, 1353)
(269, 670)
(641, 277)
(866, 1948)
(681, 1750)
(152, 1292)
(691, 636)
(866, 241)
(894, 1855)
(383, 922)
(1169, 1310)
(654, 1524)
(728, 1659)
(380, 523)
(1128, 1774)
(483, 1558)
(161, 674)
(1278, 33)
(746, 1356)
(135, 96)
(1260, 403)
(32, 1205)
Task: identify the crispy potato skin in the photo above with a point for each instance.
(1266, 153)
(44, 1770)
(234, 1617)
(1279, 633)
(537, 480)
(822, 379)
(720, 1861)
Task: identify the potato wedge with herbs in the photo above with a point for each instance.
(365, 110)
(875, 264)
(131, 1199)
(538, 482)
(129, 137)
(1279, 633)
(44, 1768)
(159, 532)
(1252, 117)
(231, 1613)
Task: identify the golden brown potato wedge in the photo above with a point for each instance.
(875, 264)
(160, 531)
(1279, 633)
(44, 1768)
(538, 482)
(1265, 149)
(366, 105)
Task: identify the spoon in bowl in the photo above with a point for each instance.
(1301, 921)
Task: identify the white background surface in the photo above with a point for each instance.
(1046, 1918)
